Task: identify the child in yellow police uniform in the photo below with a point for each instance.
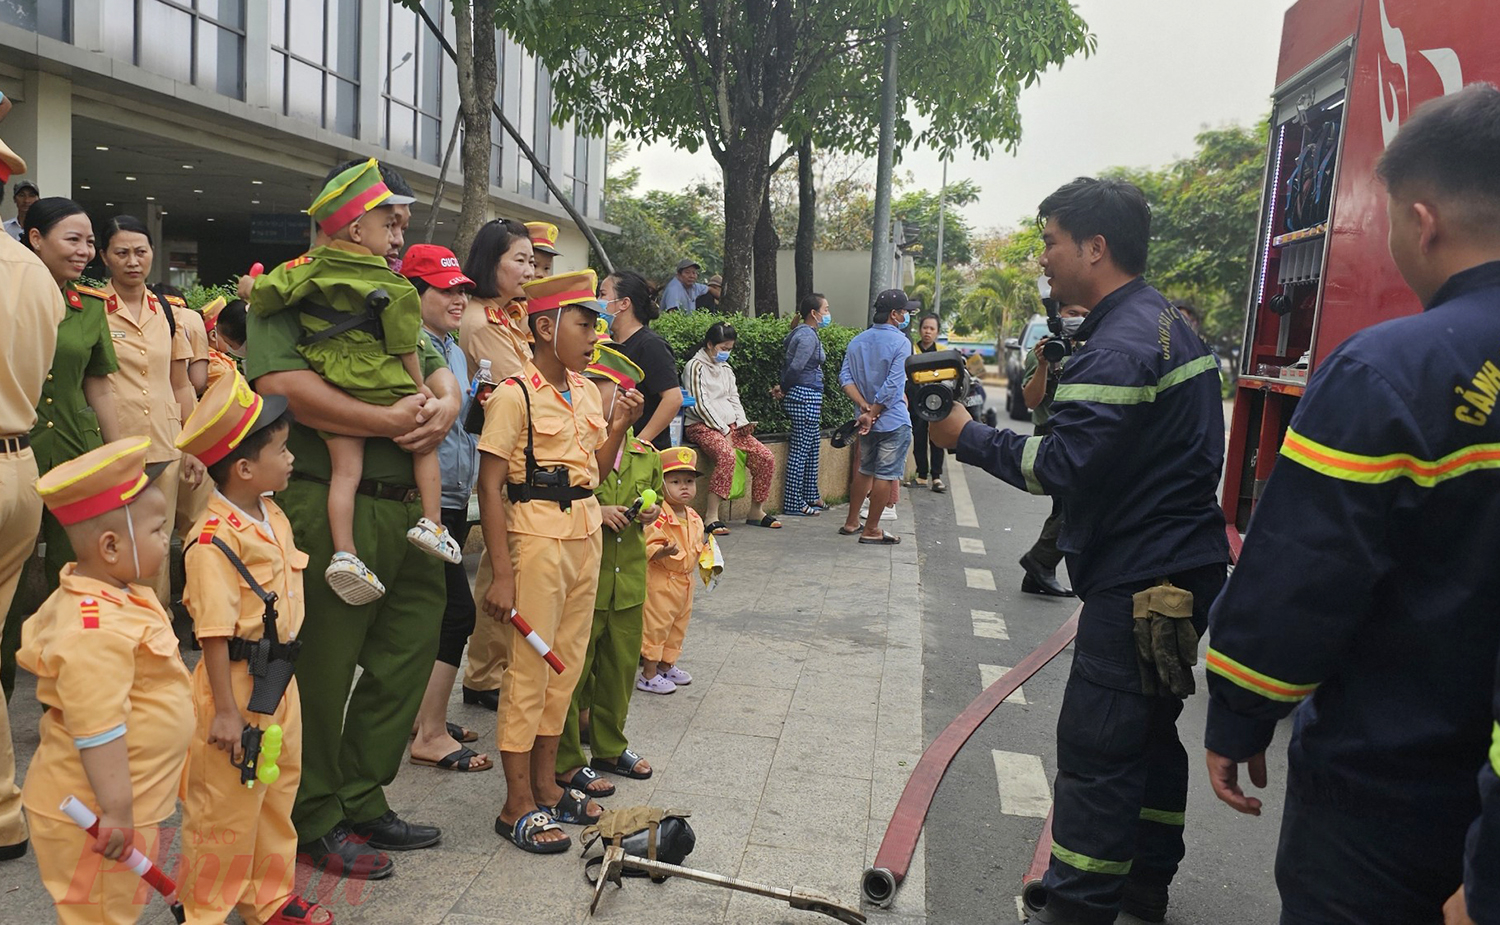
(365, 348)
(118, 710)
(238, 843)
(543, 246)
(545, 439)
(673, 544)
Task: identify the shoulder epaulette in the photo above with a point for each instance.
(88, 609)
(91, 291)
(209, 526)
(494, 314)
(176, 301)
(297, 262)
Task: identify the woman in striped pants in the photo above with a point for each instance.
(802, 393)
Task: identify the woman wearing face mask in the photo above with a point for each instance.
(153, 394)
(718, 425)
(801, 391)
(929, 455)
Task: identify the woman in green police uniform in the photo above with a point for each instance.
(76, 413)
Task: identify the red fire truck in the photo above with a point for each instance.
(1349, 75)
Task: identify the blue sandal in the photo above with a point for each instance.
(572, 809)
(525, 830)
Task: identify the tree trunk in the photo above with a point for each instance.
(746, 166)
(807, 221)
(474, 20)
(767, 246)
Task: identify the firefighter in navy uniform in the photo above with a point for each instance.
(1134, 454)
(1367, 588)
(1479, 898)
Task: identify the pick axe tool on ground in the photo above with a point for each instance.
(616, 860)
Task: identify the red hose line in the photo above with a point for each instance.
(894, 858)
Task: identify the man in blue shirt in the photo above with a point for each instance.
(874, 378)
(682, 292)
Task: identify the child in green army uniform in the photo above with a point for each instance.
(609, 665)
(361, 323)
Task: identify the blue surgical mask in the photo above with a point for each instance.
(606, 319)
(905, 322)
(722, 356)
(825, 321)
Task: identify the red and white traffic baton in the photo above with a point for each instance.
(536, 642)
(137, 862)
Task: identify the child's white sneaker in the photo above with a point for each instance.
(657, 685)
(435, 540)
(354, 583)
(677, 676)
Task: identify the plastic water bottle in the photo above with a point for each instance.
(480, 389)
(675, 429)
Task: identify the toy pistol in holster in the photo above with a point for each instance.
(542, 484)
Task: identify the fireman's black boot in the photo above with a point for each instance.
(1041, 580)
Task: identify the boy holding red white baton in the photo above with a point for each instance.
(119, 714)
(544, 443)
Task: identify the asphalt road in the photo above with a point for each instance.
(985, 821)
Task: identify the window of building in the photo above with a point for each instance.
(315, 66)
(581, 172)
(52, 18)
(541, 132)
(412, 97)
(199, 42)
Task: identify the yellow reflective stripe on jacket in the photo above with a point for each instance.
(1134, 394)
(1373, 470)
(1028, 465)
(1086, 863)
(1164, 816)
(1255, 682)
(1495, 750)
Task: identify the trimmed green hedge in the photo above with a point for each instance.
(757, 362)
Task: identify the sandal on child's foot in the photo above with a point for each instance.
(435, 540)
(524, 831)
(298, 911)
(352, 581)
(656, 685)
(677, 676)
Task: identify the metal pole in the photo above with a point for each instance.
(937, 286)
(880, 242)
(530, 155)
(442, 184)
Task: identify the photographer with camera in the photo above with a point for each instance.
(1040, 374)
(1134, 454)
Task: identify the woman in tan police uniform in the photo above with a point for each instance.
(153, 364)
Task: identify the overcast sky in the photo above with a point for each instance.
(1165, 69)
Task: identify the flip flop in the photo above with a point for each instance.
(581, 780)
(769, 522)
(458, 760)
(717, 528)
(458, 734)
(572, 809)
(623, 765)
(525, 830)
(845, 531)
(885, 540)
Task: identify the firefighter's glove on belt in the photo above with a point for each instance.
(1165, 642)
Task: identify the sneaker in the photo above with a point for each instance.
(435, 540)
(352, 581)
(657, 685)
(677, 676)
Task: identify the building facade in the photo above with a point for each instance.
(215, 121)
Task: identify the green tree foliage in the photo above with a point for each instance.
(921, 206)
(757, 358)
(732, 74)
(659, 228)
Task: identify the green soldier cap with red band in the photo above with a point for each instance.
(351, 194)
(609, 363)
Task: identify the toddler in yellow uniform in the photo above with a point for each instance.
(545, 438)
(238, 842)
(118, 710)
(673, 544)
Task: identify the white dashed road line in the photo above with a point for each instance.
(980, 578)
(988, 624)
(1023, 784)
(964, 514)
(989, 674)
(971, 545)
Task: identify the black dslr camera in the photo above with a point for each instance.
(1060, 345)
(938, 379)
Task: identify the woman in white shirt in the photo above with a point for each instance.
(718, 425)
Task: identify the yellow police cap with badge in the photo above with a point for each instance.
(227, 413)
(609, 363)
(562, 290)
(99, 481)
(544, 237)
(679, 459)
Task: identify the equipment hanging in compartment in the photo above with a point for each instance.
(1309, 188)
